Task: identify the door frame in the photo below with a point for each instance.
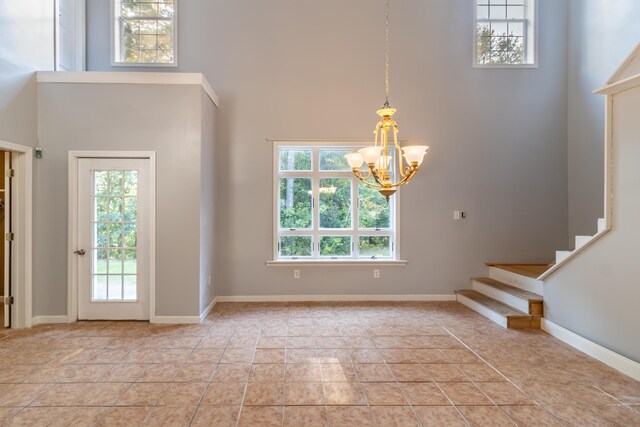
(22, 252)
(72, 260)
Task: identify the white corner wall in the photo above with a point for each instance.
(596, 295)
(601, 35)
(26, 45)
(127, 117)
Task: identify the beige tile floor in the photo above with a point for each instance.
(338, 364)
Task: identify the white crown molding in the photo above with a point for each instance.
(152, 78)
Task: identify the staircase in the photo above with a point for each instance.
(581, 243)
(512, 295)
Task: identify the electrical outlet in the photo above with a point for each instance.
(296, 274)
(376, 274)
(459, 215)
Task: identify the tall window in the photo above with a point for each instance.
(504, 33)
(323, 212)
(144, 32)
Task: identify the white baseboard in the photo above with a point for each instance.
(604, 355)
(39, 320)
(333, 298)
(208, 309)
(177, 320)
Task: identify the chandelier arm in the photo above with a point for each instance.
(376, 177)
(363, 176)
(411, 173)
(364, 181)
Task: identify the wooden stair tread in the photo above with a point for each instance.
(529, 270)
(512, 290)
(494, 305)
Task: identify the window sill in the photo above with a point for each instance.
(333, 262)
(506, 66)
(145, 64)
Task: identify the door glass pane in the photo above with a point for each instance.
(130, 235)
(115, 261)
(373, 209)
(335, 203)
(334, 160)
(335, 246)
(130, 183)
(295, 203)
(100, 261)
(102, 208)
(130, 287)
(295, 246)
(375, 246)
(115, 235)
(100, 287)
(114, 224)
(130, 261)
(115, 287)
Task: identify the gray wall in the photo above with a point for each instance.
(26, 44)
(596, 295)
(309, 69)
(163, 118)
(601, 35)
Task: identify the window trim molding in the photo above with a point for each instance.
(113, 45)
(395, 259)
(535, 39)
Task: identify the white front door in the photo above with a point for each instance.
(113, 239)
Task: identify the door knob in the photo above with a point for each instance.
(80, 252)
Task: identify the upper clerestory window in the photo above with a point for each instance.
(505, 33)
(144, 33)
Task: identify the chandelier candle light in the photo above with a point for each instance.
(378, 157)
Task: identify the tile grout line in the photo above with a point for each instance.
(500, 373)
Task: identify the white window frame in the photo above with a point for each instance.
(315, 232)
(116, 39)
(530, 36)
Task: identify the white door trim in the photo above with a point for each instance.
(23, 227)
(72, 261)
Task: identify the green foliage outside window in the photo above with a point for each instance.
(493, 48)
(334, 206)
(295, 203)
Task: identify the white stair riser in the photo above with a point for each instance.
(582, 240)
(491, 315)
(517, 280)
(561, 256)
(497, 294)
(602, 225)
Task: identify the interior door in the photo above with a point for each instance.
(113, 239)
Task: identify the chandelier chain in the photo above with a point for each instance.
(386, 75)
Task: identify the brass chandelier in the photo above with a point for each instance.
(378, 157)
